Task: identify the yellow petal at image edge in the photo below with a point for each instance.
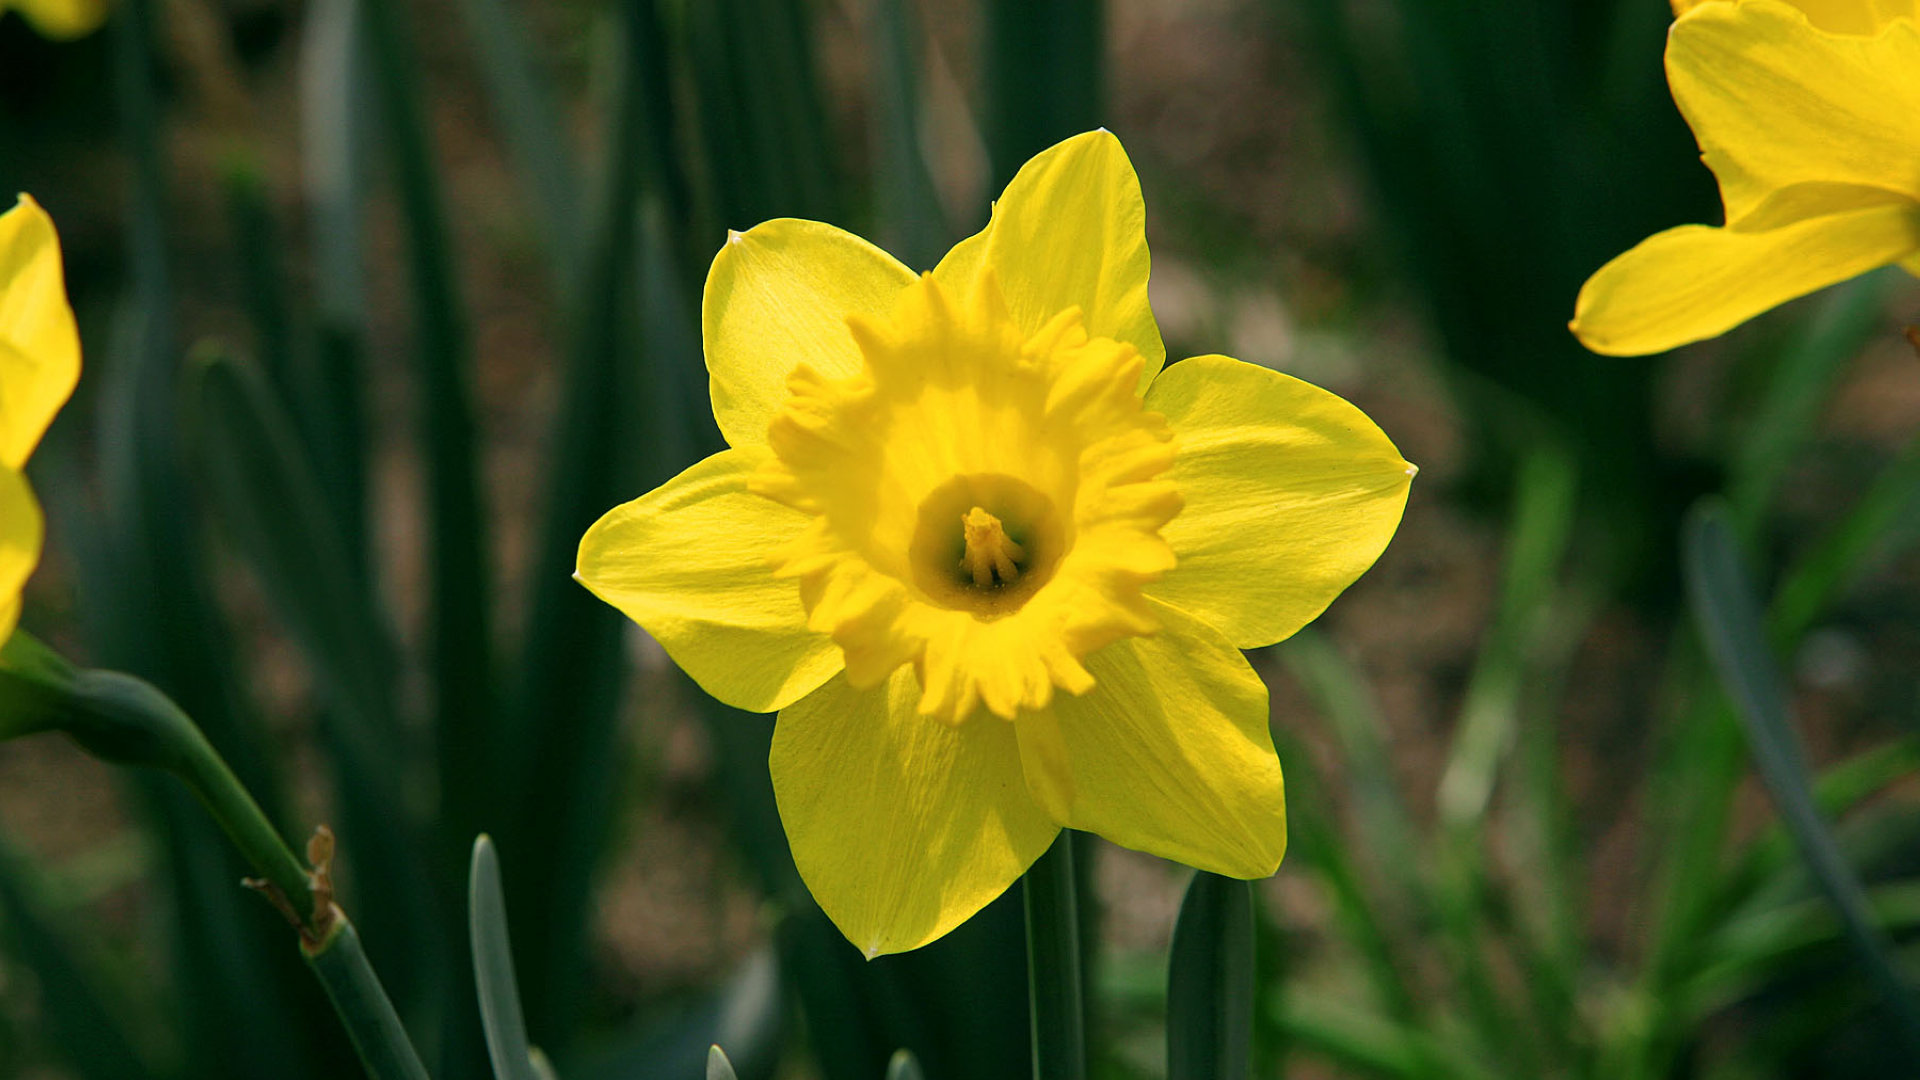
(1833, 16)
(1070, 230)
(21, 533)
(778, 296)
(1774, 102)
(1291, 494)
(1855, 16)
(1169, 753)
(902, 827)
(61, 20)
(39, 343)
(1696, 281)
(688, 561)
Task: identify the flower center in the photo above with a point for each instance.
(986, 502)
(991, 558)
(1008, 544)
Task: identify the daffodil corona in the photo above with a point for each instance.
(990, 562)
(39, 364)
(1808, 113)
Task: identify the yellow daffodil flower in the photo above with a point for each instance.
(60, 20)
(1809, 116)
(991, 563)
(39, 364)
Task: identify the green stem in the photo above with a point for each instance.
(363, 1005)
(1053, 966)
(124, 720)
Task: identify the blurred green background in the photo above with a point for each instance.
(384, 303)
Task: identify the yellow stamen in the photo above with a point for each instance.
(990, 552)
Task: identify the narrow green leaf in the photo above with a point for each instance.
(1729, 620)
(257, 250)
(1342, 698)
(459, 616)
(77, 1019)
(1210, 977)
(1315, 843)
(267, 495)
(745, 1013)
(149, 608)
(335, 105)
(565, 751)
(1848, 549)
(265, 489)
(535, 137)
(718, 1067)
(904, 1066)
(1814, 357)
(1045, 77)
(909, 221)
(1509, 661)
(1836, 791)
(1757, 947)
(1053, 965)
(500, 1015)
(1370, 1044)
(1537, 542)
(761, 120)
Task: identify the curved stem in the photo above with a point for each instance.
(124, 720)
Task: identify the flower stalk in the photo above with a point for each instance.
(1053, 965)
(126, 721)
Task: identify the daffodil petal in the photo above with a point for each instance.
(1291, 494)
(901, 826)
(21, 529)
(1695, 281)
(1854, 16)
(1775, 102)
(1169, 753)
(62, 20)
(778, 296)
(1070, 230)
(39, 344)
(688, 561)
(1833, 16)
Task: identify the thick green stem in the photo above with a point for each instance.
(124, 720)
(363, 1005)
(1053, 966)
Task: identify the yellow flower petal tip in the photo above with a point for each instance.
(1808, 114)
(991, 558)
(39, 365)
(60, 20)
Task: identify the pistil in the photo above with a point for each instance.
(991, 556)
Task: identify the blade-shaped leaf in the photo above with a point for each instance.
(1729, 618)
(500, 1015)
(904, 1066)
(75, 1018)
(1210, 976)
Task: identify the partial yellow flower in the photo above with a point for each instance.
(39, 365)
(1835, 16)
(61, 20)
(1809, 117)
(991, 563)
